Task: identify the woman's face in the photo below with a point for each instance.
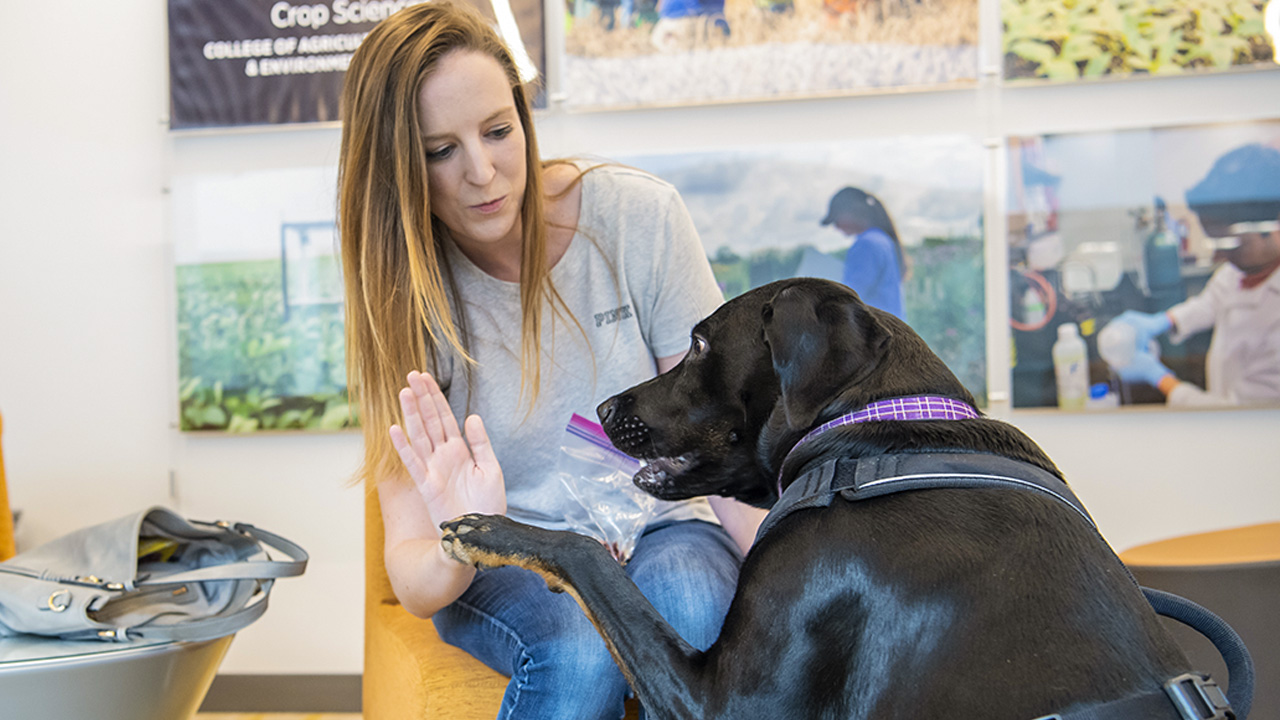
(475, 149)
(850, 225)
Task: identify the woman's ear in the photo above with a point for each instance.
(821, 343)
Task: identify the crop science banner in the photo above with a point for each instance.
(257, 62)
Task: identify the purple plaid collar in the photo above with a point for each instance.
(918, 407)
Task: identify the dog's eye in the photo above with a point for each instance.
(697, 346)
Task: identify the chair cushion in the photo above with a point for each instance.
(409, 672)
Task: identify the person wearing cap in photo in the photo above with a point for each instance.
(1238, 204)
(875, 265)
(685, 25)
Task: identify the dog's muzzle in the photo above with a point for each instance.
(628, 433)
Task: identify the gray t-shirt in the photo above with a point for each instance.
(637, 280)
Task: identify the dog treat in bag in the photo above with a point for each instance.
(598, 476)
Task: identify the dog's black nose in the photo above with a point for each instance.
(610, 409)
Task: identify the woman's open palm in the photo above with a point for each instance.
(456, 475)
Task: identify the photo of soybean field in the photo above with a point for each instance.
(759, 214)
(627, 53)
(259, 293)
(1065, 40)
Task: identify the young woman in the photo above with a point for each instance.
(875, 265)
(524, 291)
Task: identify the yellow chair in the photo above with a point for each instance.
(7, 546)
(409, 672)
(1235, 573)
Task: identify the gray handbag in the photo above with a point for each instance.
(151, 575)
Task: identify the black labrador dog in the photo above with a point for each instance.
(975, 600)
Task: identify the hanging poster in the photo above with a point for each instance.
(259, 289)
(626, 53)
(257, 62)
(897, 219)
(1142, 267)
(1076, 39)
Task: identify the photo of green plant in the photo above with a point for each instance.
(760, 216)
(260, 325)
(1065, 40)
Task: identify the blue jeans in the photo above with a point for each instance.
(558, 665)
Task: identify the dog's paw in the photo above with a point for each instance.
(489, 540)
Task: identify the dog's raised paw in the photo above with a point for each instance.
(485, 540)
(455, 550)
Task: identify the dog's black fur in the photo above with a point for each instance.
(974, 604)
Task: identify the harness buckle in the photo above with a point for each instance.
(1197, 697)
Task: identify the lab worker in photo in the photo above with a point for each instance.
(1238, 205)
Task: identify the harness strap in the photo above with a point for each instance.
(1228, 643)
(1186, 697)
(863, 478)
(1148, 706)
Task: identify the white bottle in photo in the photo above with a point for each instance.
(1117, 342)
(1071, 368)
(1033, 309)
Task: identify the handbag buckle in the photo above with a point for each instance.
(59, 601)
(233, 527)
(96, 581)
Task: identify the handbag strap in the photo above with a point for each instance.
(247, 570)
(208, 628)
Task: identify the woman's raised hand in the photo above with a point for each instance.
(455, 475)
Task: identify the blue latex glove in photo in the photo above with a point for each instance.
(1147, 326)
(1144, 368)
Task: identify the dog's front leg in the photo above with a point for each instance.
(660, 666)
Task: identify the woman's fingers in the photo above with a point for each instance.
(447, 422)
(411, 461)
(487, 492)
(481, 449)
(434, 424)
(414, 430)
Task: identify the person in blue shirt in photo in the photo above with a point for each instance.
(875, 265)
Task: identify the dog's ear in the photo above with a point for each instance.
(821, 343)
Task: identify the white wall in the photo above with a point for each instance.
(87, 338)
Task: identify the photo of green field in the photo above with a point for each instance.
(259, 295)
(1065, 40)
(244, 366)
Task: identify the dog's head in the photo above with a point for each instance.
(761, 371)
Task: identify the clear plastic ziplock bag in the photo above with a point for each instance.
(598, 476)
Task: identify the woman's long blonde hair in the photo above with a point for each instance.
(398, 283)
